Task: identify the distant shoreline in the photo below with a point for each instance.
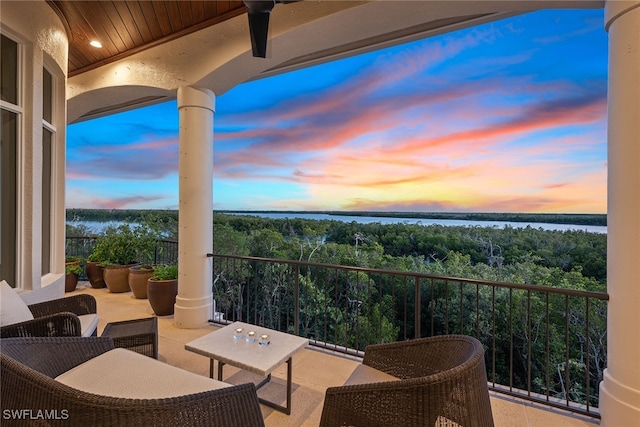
(577, 219)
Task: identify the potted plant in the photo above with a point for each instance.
(72, 270)
(115, 253)
(95, 271)
(121, 248)
(162, 289)
(138, 276)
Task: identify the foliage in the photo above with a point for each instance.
(72, 265)
(165, 272)
(72, 258)
(73, 269)
(125, 244)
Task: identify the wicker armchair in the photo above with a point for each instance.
(29, 366)
(58, 317)
(441, 379)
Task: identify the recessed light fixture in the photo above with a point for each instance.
(95, 43)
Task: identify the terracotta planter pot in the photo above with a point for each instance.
(70, 279)
(95, 275)
(117, 278)
(162, 295)
(70, 282)
(138, 276)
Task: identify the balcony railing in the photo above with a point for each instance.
(542, 344)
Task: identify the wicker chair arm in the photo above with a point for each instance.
(54, 325)
(36, 352)
(227, 407)
(77, 304)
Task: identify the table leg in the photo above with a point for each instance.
(263, 382)
(289, 372)
(285, 409)
(220, 365)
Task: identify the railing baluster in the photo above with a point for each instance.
(417, 308)
(588, 369)
(529, 343)
(493, 335)
(461, 309)
(566, 343)
(296, 301)
(478, 311)
(510, 339)
(548, 346)
(432, 303)
(446, 307)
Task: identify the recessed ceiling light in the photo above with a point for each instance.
(95, 43)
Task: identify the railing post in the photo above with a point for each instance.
(296, 302)
(417, 308)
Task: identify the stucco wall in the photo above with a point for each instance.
(43, 43)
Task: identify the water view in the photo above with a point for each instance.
(99, 226)
(429, 221)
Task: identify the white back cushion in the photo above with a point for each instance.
(124, 373)
(88, 324)
(12, 308)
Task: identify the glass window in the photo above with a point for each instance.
(47, 138)
(8, 184)
(9, 70)
(9, 91)
(47, 96)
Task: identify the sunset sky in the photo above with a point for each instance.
(505, 117)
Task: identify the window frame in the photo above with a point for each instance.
(14, 246)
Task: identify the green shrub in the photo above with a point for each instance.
(165, 272)
(125, 244)
(73, 268)
(72, 258)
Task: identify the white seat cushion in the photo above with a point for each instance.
(12, 308)
(88, 324)
(124, 373)
(364, 374)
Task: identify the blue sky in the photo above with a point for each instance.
(508, 116)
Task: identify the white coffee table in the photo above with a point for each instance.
(221, 345)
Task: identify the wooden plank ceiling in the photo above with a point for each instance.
(126, 27)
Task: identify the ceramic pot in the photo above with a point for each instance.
(71, 279)
(95, 274)
(117, 278)
(162, 295)
(138, 276)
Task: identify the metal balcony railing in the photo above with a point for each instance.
(542, 344)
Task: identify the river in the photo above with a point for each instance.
(425, 221)
(98, 226)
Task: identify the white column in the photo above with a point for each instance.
(620, 389)
(194, 304)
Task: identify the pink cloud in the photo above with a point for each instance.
(144, 160)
